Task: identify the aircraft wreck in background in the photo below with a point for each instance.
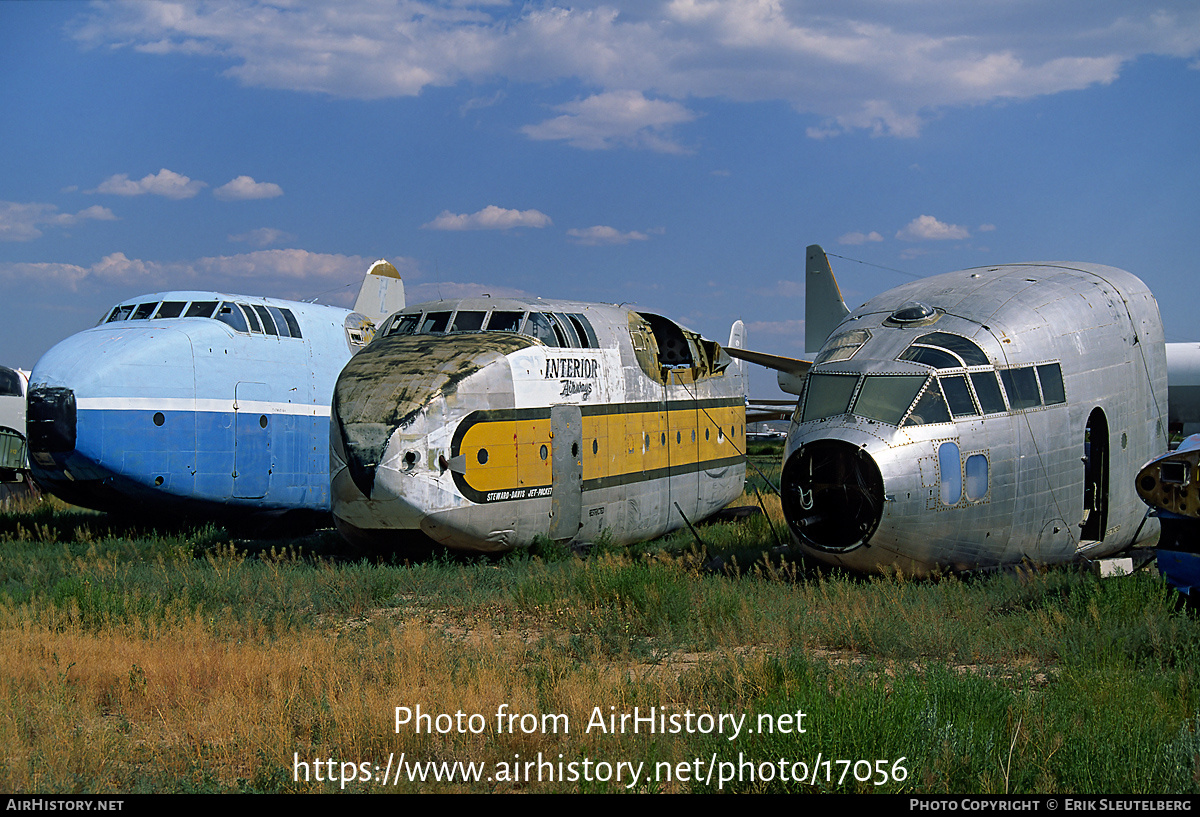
(482, 423)
(975, 419)
(1170, 485)
(199, 403)
(15, 478)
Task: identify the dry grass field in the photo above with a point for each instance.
(189, 660)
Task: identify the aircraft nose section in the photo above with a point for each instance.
(85, 389)
(405, 384)
(832, 495)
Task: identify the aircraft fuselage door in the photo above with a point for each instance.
(252, 441)
(566, 468)
(1095, 478)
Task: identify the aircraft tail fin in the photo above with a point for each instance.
(824, 308)
(382, 292)
(737, 336)
(737, 340)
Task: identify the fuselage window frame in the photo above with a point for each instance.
(175, 307)
(232, 316)
(966, 351)
(1021, 387)
(144, 311)
(268, 322)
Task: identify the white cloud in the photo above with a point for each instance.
(881, 67)
(612, 119)
(293, 273)
(24, 222)
(781, 289)
(165, 183)
(600, 234)
(986, 228)
(263, 237)
(860, 238)
(244, 187)
(489, 218)
(928, 228)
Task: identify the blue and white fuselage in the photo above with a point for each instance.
(197, 403)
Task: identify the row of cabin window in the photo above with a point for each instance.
(551, 328)
(268, 320)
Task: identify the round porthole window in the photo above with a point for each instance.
(159, 419)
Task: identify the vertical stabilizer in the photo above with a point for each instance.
(737, 340)
(824, 308)
(382, 292)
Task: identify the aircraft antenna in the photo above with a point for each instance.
(880, 266)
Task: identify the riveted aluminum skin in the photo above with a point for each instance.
(1048, 478)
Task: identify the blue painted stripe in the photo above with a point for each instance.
(197, 454)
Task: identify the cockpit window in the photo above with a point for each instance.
(267, 321)
(843, 346)
(583, 328)
(1022, 388)
(405, 324)
(120, 313)
(200, 309)
(240, 317)
(553, 329)
(286, 321)
(468, 321)
(886, 397)
(539, 326)
(987, 389)
(505, 321)
(565, 332)
(231, 314)
(958, 395)
(828, 395)
(435, 323)
(942, 350)
(255, 326)
(931, 408)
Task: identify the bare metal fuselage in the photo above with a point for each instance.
(1024, 398)
(482, 440)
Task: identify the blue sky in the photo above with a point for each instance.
(676, 155)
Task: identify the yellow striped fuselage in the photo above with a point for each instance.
(484, 440)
